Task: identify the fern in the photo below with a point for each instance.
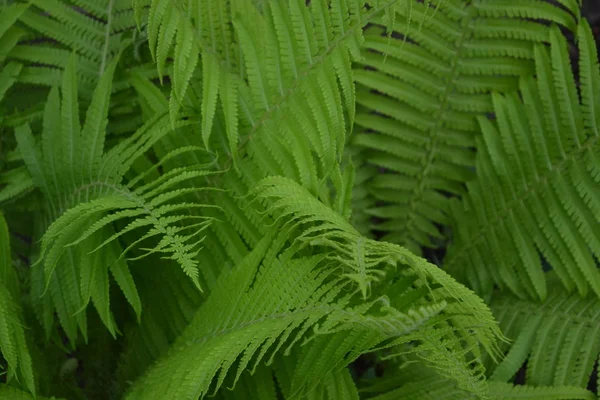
(417, 383)
(195, 193)
(541, 194)
(82, 203)
(558, 338)
(274, 320)
(92, 29)
(16, 394)
(420, 92)
(13, 345)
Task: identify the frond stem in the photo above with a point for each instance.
(106, 37)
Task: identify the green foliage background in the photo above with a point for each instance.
(331, 199)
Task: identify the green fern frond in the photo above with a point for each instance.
(92, 29)
(559, 338)
(420, 91)
(9, 32)
(15, 183)
(540, 189)
(410, 382)
(280, 316)
(13, 345)
(296, 86)
(407, 380)
(365, 262)
(84, 193)
(506, 391)
(214, 154)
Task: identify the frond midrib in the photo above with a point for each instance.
(107, 31)
(257, 321)
(418, 190)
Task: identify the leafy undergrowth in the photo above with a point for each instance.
(325, 199)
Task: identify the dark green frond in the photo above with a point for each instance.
(559, 339)
(13, 345)
(410, 382)
(8, 392)
(536, 195)
(419, 91)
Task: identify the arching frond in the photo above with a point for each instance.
(85, 195)
(282, 136)
(535, 197)
(301, 84)
(419, 91)
(280, 317)
(364, 261)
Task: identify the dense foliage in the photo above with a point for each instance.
(324, 199)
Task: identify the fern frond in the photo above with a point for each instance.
(506, 391)
(365, 262)
(420, 91)
(16, 182)
(409, 382)
(85, 195)
(540, 189)
(296, 86)
(9, 37)
(92, 29)
(559, 338)
(279, 316)
(13, 345)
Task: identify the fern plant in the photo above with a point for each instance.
(192, 201)
(421, 87)
(541, 199)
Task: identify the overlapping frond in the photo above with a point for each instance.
(536, 197)
(41, 39)
(559, 339)
(226, 154)
(365, 262)
(9, 33)
(419, 89)
(90, 28)
(282, 134)
(85, 196)
(290, 295)
(410, 382)
(9, 37)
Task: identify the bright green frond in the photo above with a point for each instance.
(289, 296)
(85, 203)
(365, 262)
